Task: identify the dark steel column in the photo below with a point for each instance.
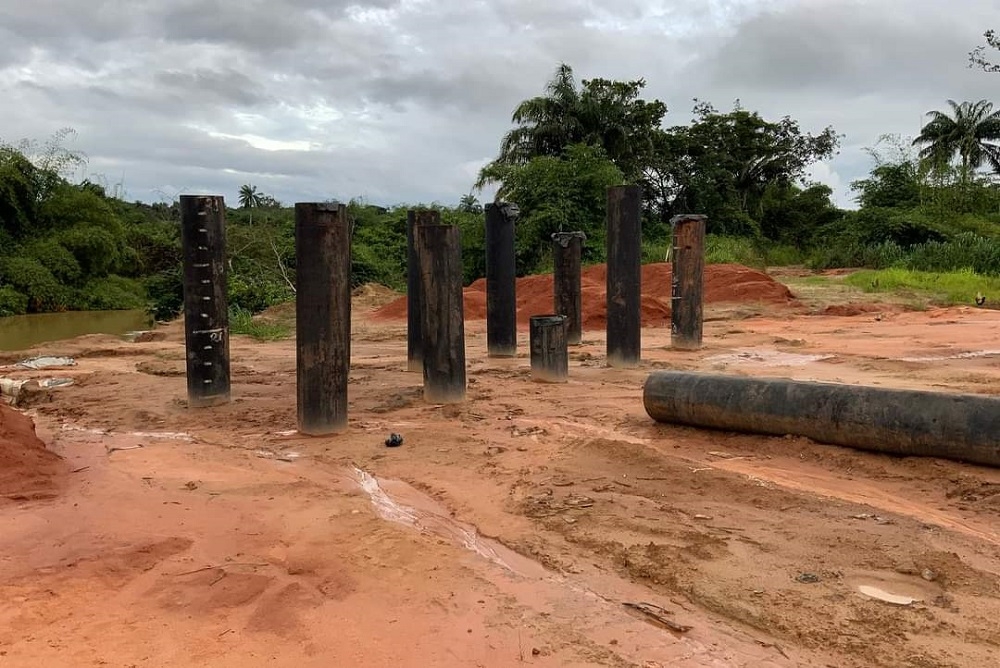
(206, 309)
(686, 305)
(624, 300)
(549, 356)
(443, 314)
(414, 354)
(501, 280)
(567, 251)
(322, 316)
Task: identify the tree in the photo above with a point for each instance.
(723, 163)
(599, 112)
(559, 193)
(977, 57)
(896, 178)
(19, 184)
(250, 198)
(970, 134)
(470, 204)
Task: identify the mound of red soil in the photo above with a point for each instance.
(27, 469)
(723, 283)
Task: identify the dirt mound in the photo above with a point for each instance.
(723, 283)
(372, 295)
(27, 469)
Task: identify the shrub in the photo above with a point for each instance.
(57, 259)
(12, 302)
(98, 251)
(157, 246)
(37, 283)
(111, 293)
(241, 321)
(166, 293)
(255, 293)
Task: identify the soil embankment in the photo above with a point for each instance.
(27, 469)
(724, 283)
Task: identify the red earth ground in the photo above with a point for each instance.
(508, 530)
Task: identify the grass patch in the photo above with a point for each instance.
(241, 321)
(734, 250)
(749, 252)
(947, 288)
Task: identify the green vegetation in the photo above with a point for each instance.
(929, 204)
(242, 321)
(951, 288)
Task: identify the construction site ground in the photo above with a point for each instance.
(534, 524)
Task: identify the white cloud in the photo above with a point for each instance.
(403, 100)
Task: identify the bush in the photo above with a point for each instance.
(157, 246)
(369, 265)
(12, 302)
(906, 228)
(241, 321)
(57, 259)
(111, 293)
(255, 293)
(98, 251)
(31, 279)
(166, 293)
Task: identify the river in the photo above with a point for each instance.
(24, 331)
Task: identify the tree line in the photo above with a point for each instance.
(929, 201)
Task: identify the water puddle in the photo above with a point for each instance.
(765, 358)
(421, 512)
(161, 435)
(886, 597)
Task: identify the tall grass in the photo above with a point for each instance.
(747, 251)
(946, 288)
(978, 254)
(241, 321)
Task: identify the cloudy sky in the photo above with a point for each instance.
(402, 101)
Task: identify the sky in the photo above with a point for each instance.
(402, 101)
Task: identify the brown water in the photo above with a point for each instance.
(24, 331)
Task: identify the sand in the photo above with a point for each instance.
(505, 531)
(27, 469)
(723, 283)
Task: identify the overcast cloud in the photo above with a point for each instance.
(402, 101)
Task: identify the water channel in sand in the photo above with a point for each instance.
(642, 640)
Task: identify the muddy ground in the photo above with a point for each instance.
(506, 531)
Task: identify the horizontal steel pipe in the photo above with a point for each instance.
(963, 427)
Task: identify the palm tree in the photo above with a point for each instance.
(970, 133)
(250, 198)
(547, 123)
